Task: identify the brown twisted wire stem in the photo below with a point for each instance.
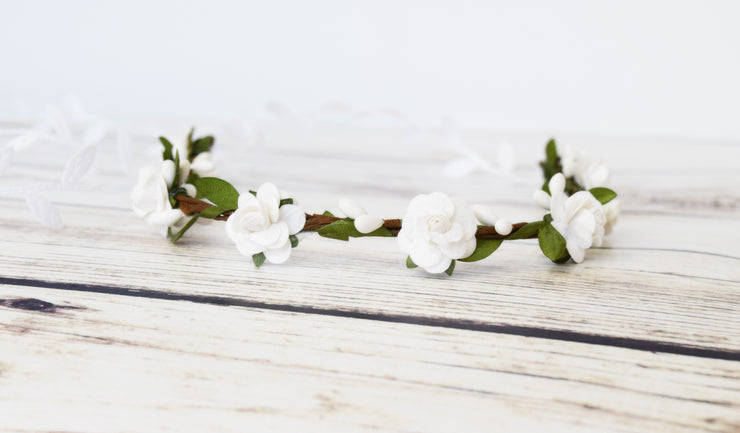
(190, 206)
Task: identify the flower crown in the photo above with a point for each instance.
(436, 232)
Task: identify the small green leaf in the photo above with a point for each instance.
(552, 243)
(218, 191)
(176, 179)
(563, 259)
(327, 213)
(258, 259)
(526, 231)
(285, 201)
(603, 195)
(167, 154)
(410, 263)
(340, 230)
(551, 151)
(381, 232)
(201, 145)
(345, 228)
(212, 212)
(483, 249)
(450, 269)
(547, 218)
(254, 193)
(189, 146)
(293, 241)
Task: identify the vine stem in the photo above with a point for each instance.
(190, 206)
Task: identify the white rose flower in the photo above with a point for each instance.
(571, 160)
(151, 199)
(580, 218)
(592, 175)
(587, 173)
(437, 230)
(261, 225)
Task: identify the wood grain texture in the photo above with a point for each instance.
(174, 366)
(140, 334)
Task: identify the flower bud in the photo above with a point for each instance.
(542, 199)
(368, 223)
(485, 215)
(503, 227)
(190, 189)
(168, 172)
(351, 208)
(557, 183)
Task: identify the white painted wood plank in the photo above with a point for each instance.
(683, 297)
(117, 363)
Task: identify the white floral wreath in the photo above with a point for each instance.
(435, 232)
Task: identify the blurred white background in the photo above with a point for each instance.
(652, 68)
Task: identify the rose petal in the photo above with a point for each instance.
(294, 217)
(164, 217)
(278, 255)
(425, 253)
(269, 195)
(440, 266)
(576, 252)
(272, 237)
(453, 250)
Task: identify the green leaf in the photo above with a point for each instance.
(189, 146)
(218, 191)
(345, 228)
(410, 263)
(285, 201)
(381, 232)
(450, 269)
(167, 154)
(258, 259)
(603, 195)
(551, 242)
(254, 193)
(483, 249)
(551, 164)
(327, 213)
(293, 241)
(213, 211)
(176, 179)
(547, 218)
(563, 259)
(201, 145)
(340, 230)
(526, 231)
(551, 151)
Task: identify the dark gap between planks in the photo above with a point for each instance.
(462, 324)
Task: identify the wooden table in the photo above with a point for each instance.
(107, 327)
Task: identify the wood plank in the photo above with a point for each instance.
(638, 291)
(86, 362)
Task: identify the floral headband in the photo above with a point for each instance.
(436, 231)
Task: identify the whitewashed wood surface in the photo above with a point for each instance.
(108, 327)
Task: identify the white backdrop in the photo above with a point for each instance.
(668, 68)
